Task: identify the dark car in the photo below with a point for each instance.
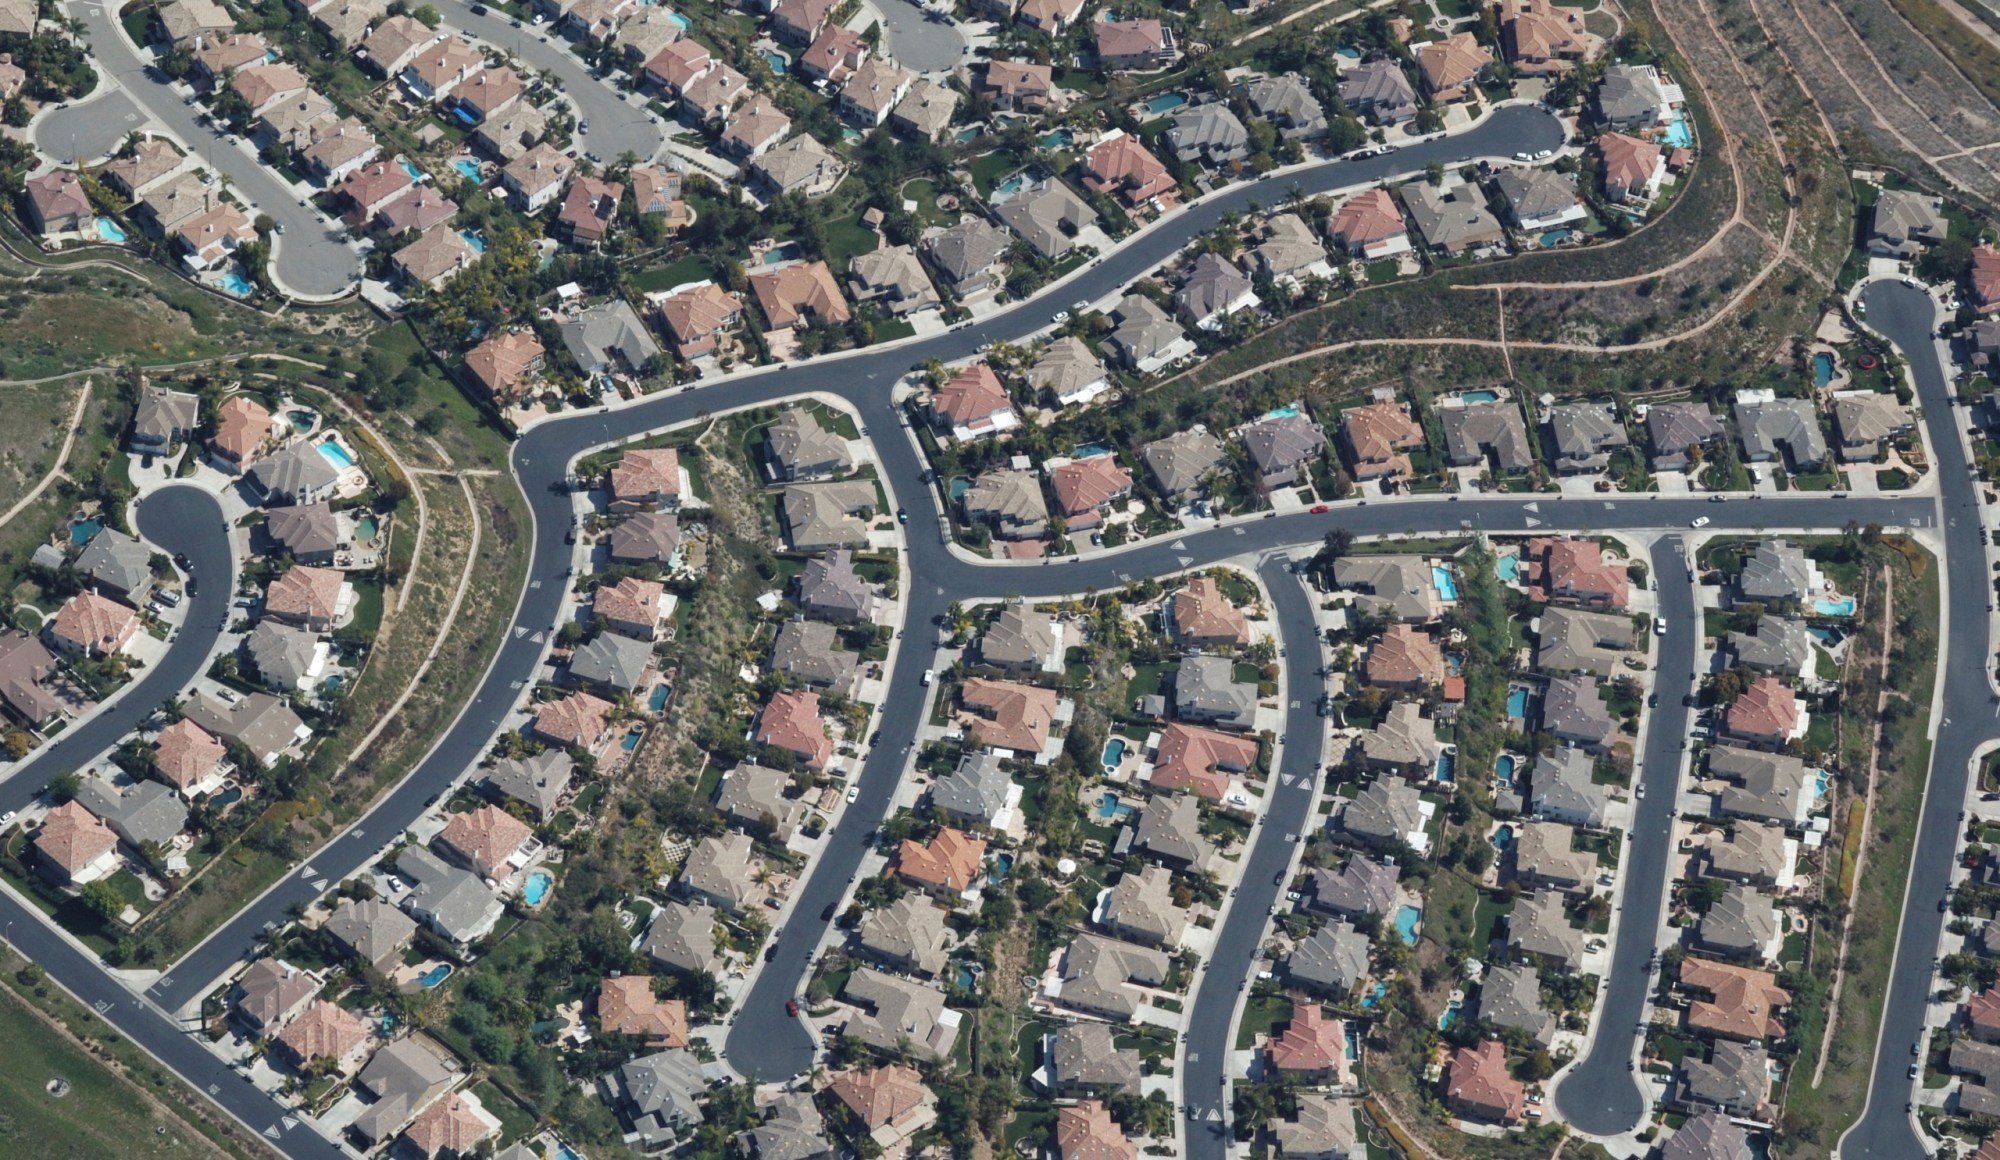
(1279, 880)
(770, 952)
(181, 561)
(479, 9)
(827, 914)
(902, 515)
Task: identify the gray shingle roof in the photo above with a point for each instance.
(1019, 638)
(1170, 830)
(1473, 432)
(1675, 427)
(305, 530)
(1780, 645)
(646, 538)
(1544, 852)
(1453, 219)
(808, 650)
(801, 447)
(828, 515)
(1288, 102)
(372, 929)
(1708, 1136)
(1573, 709)
(116, 561)
(1574, 641)
(1386, 810)
(967, 249)
(612, 660)
(298, 469)
(1206, 689)
(1332, 960)
(281, 654)
(1564, 791)
(1538, 927)
(1400, 585)
(1101, 975)
(751, 793)
(1788, 423)
(1282, 444)
(1736, 1077)
(792, 1129)
(1181, 461)
(148, 811)
(1630, 94)
(1511, 998)
(1379, 87)
(1405, 739)
(975, 791)
(910, 931)
(1084, 1055)
(1208, 131)
(599, 337)
(1740, 924)
(1585, 434)
(682, 938)
(1040, 216)
(454, 901)
(1755, 852)
(1323, 1126)
(897, 1011)
(1363, 886)
(1778, 570)
(1773, 786)
(537, 782)
(1534, 192)
(664, 1088)
(829, 586)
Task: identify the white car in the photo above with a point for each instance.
(853, 792)
(1061, 317)
(1698, 522)
(1640, 792)
(7, 817)
(1659, 626)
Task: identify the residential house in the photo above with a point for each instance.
(1018, 86)
(1086, 1131)
(829, 588)
(1477, 1082)
(697, 319)
(1321, 1128)
(1147, 338)
(574, 721)
(1107, 978)
(645, 479)
(1573, 711)
(677, 65)
(434, 259)
(800, 21)
(308, 597)
(440, 67)
(1379, 90)
(891, 1102)
(1492, 435)
(1209, 134)
(589, 208)
(1735, 1080)
(656, 191)
(1404, 743)
(1183, 462)
(1290, 252)
(660, 1096)
(1904, 223)
(1201, 760)
(487, 841)
(1085, 489)
(646, 538)
(371, 930)
(323, 1031)
(1141, 909)
(893, 1015)
(908, 935)
(1281, 448)
(512, 133)
(260, 722)
(116, 564)
(1755, 853)
(150, 161)
(1329, 963)
(1048, 218)
(722, 870)
(270, 993)
(25, 665)
(1068, 373)
(804, 292)
(754, 129)
(91, 625)
(336, 147)
(1539, 931)
(627, 1005)
(299, 473)
(682, 938)
(1743, 1004)
(1742, 924)
(1573, 641)
(873, 91)
(819, 516)
(209, 238)
(1510, 998)
(1539, 199)
(1982, 280)
(1558, 568)
(264, 85)
(1403, 657)
(1633, 97)
(1631, 167)
(1451, 67)
(1565, 789)
(536, 177)
(1214, 290)
(1545, 858)
(1452, 220)
(403, 1079)
(503, 365)
(391, 45)
(287, 660)
(631, 606)
(1124, 45)
(190, 22)
(1387, 812)
(754, 796)
(1169, 833)
(792, 1129)
(188, 758)
(1780, 646)
(973, 403)
(1287, 102)
(791, 721)
(147, 815)
(977, 792)
(967, 257)
(1008, 715)
(1770, 787)
(892, 277)
(607, 336)
(1766, 716)
(808, 650)
(1676, 430)
(1778, 573)
(1201, 616)
(1866, 421)
(1542, 39)
(73, 847)
(926, 110)
(57, 203)
(1710, 1136)
(1119, 165)
(1083, 1059)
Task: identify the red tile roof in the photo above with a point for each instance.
(949, 861)
(1477, 1078)
(1202, 613)
(791, 721)
(73, 838)
(488, 836)
(1084, 486)
(184, 753)
(1311, 1042)
(1767, 709)
(627, 1006)
(970, 395)
(1200, 760)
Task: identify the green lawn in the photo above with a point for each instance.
(692, 268)
(1260, 1015)
(515, 1122)
(844, 240)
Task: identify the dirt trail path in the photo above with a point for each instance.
(62, 457)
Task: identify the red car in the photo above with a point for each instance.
(792, 1008)
(1320, 509)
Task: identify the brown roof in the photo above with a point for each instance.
(1627, 161)
(324, 1031)
(372, 185)
(949, 861)
(1404, 656)
(1019, 79)
(1985, 277)
(1010, 715)
(1311, 1042)
(1086, 1131)
(791, 721)
(1366, 218)
(836, 52)
(73, 838)
(1122, 165)
(90, 621)
(261, 85)
(1380, 432)
(881, 1096)
(184, 753)
(1768, 708)
(1116, 38)
(643, 474)
(502, 362)
(456, 1122)
(589, 207)
(1562, 567)
(1456, 60)
(679, 63)
(1202, 612)
(490, 91)
(1200, 760)
(970, 395)
(578, 719)
(241, 426)
(787, 296)
(1982, 1012)
(629, 601)
(1745, 1004)
(1085, 485)
(1478, 1076)
(305, 593)
(696, 313)
(627, 1006)
(488, 835)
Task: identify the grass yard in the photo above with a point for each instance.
(692, 268)
(1260, 1015)
(845, 239)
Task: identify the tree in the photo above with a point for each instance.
(64, 786)
(427, 16)
(103, 899)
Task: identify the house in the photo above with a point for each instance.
(1631, 167)
(73, 847)
(173, 200)
(977, 792)
(1086, 1131)
(1141, 909)
(1386, 813)
(656, 190)
(1742, 924)
(973, 403)
(336, 147)
(1118, 165)
(646, 538)
(660, 1096)
(1982, 280)
(1981, 1062)
(800, 21)
(1287, 102)
(1083, 1059)
(809, 651)
(1904, 222)
(574, 721)
(1021, 639)
(1321, 1128)
(25, 665)
(1709, 1136)
(1107, 978)
(1545, 858)
(187, 758)
(677, 65)
(799, 293)
(892, 277)
(1573, 641)
(453, 902)
(1755, 853)
(801, 165)
(1539, 931)
(92, 625)
(791, 722)
(259, 722)
(57, 203)
(1048, 218)
(1123, 45)
(1780, 646)
(829, 588)
(965, 256)
(1452, 220)
(1734, 1080)
(1452, 66)
(1477, 1083)
(1085, 489)
(440, 67)
(536, 177)
(1510, 998)
(1280, 448)
(299, 473)
(909, 935)
(1202, 617)
(287, 660)
(631, 606)
(1068, 373)
(894, 1015)
(1770, 787)
(1541, 39)
(147, 815)
(1018, 86)
(1558, 568)
(626, 1005)
(502, 366)
(1866, 421)
(324, 1031)
(1330, 962)
(434, 259)
(486, 841)
(1633, 97)
(792, 1129)
(819, 516)
(1405, 742)
(1147, 338)
(371, 930)
(265, 85)
(1200, 760)
(510, 134)
(1403, 657)
(682, 938)
(1573, 711)
(270, 993)
(1050, 16)
(1215, 289)
(1565, 789)
(589, 208)
(211, 237)
(1539, 199)
(393, 44)
(1183, 462)
(609, 335)
(1379, 90)
(1676, 430)
(645, 479)
(1169, 833)
(402, 1078)
(1766, 716)
(873, 91)
(1290, 252)
(151, 161)
(1492, 435)
(1208, 134)
(117, 564)
(722, 871)
(1008, 715)
(1744, 1001)
(891, 1102)
(926, 110)
(753, 796)
(698, 317)
(308, 597)
(646, 32)
(1778, 573)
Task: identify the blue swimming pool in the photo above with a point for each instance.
(1011, 186)
(778, 254)
(1353, 1043)
(1447, 762)
(1503, 838)
(1821, 781)
(434, 976)
(474, 240)
(1822, 369)
(1454, 664)
(467, 168)
(366, 529)
(658, 700)
(1406, 924)
(1090, 451)
(1167, 103)
(1830, 637)
(336, 454)
(1287, 411)
(1517, 702)
(1503, 768)
(1003, 865)
(409, 168)
(108, 231)
(536, 888)
(1841, 607)
(967, 135)
(1480, 396)
(1445, 583)
(237, 284)
(964, 979)
(565, 1152)
(631, 740)
(1374, 994)
(959, 486)
(80, 531)
(1109, 807)
(228, 797)
(1058, 139)
(778, 61)
(1450, 1015)
(677, 18)
(1114, 752)
(1508, 567)
(1554, 238)
(1679, 136)
(1347, 52)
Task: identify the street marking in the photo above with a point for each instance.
(1194, 1057)
(307, 872)
(272, 1132)
(538, 637)
(214, 1088)
(1185, 560)
(1295, 704)
(356, 833)
(534, 583)
(1286, 778)
(1177, 545)
(1239, 531)
(1214, 1116)
(101, 1006)
(519, 632)
(320, 885)
(290, 1122)
(1533, 523)
(1609, 506)
(1532, 506)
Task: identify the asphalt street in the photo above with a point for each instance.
(312, 258)
(1599, 1095)
(1970, 716)
(619, 122)
(919, 43)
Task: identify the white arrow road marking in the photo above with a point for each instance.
(272, 1132)
(1177, 545)
(307, 872)
(1185, 560)
(1534, 506)
(290, 1122)
(1532, 523)
(356, 833)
